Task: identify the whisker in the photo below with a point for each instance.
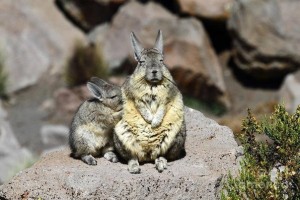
(170, 80)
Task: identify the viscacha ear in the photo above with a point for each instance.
(95, 90)
(137, 47)
(159, 44)
(98, 81)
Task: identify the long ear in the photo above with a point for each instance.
(137, 47)
(159, 45)
(95, 90)
(98, 81)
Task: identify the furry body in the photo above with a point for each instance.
(91, 131)
(153, 124)
(137, 137)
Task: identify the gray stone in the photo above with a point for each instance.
(12, 155)
(67, 101)
(212, 9)
(239, 151)
(266, 36)
(210, 154)
(290, 92)
(114, 38)
(34, 36)
(89, 13)
(188, 52)
(274, 172)
(54, 136)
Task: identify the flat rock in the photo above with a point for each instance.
(266, 36)
(210, 154)
(187, 48)
(34, 37)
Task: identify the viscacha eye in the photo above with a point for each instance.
(113, 97)
(141, 61)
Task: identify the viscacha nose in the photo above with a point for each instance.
(154, 71)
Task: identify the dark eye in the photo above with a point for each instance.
(161, 60)
(112, 97)
(141, 61)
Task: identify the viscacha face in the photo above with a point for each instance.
(151, 62)
(113, 96)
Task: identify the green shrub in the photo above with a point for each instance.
(254, 181)
(85, 62)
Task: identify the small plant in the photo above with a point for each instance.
(3, 78)
(260, 158)
(85, 62)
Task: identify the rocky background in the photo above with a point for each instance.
(225, 55)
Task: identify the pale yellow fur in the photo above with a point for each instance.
(143, 141)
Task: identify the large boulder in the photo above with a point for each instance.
(67, 101)
(12, 155)
(290, 92)
(34, 36)
(188, 52)
(210, 154)
(212, 9)
(54, 136)
(266, 36)
(89, 13)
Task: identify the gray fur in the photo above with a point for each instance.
(91, 128)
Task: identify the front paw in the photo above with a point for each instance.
(118, 115)
(148, 119)
(155, 123)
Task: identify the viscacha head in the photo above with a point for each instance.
(150, 61)
(110, 95)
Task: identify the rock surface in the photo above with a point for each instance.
(68, 100)
(89, 13)
(188, 52)
(210, 154)
(266, 36)
(54, 136)
(12, 155)
(34, 36)
(212, 9)
(290, 92)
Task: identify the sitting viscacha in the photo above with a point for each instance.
(152, 128)
(91, 131)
